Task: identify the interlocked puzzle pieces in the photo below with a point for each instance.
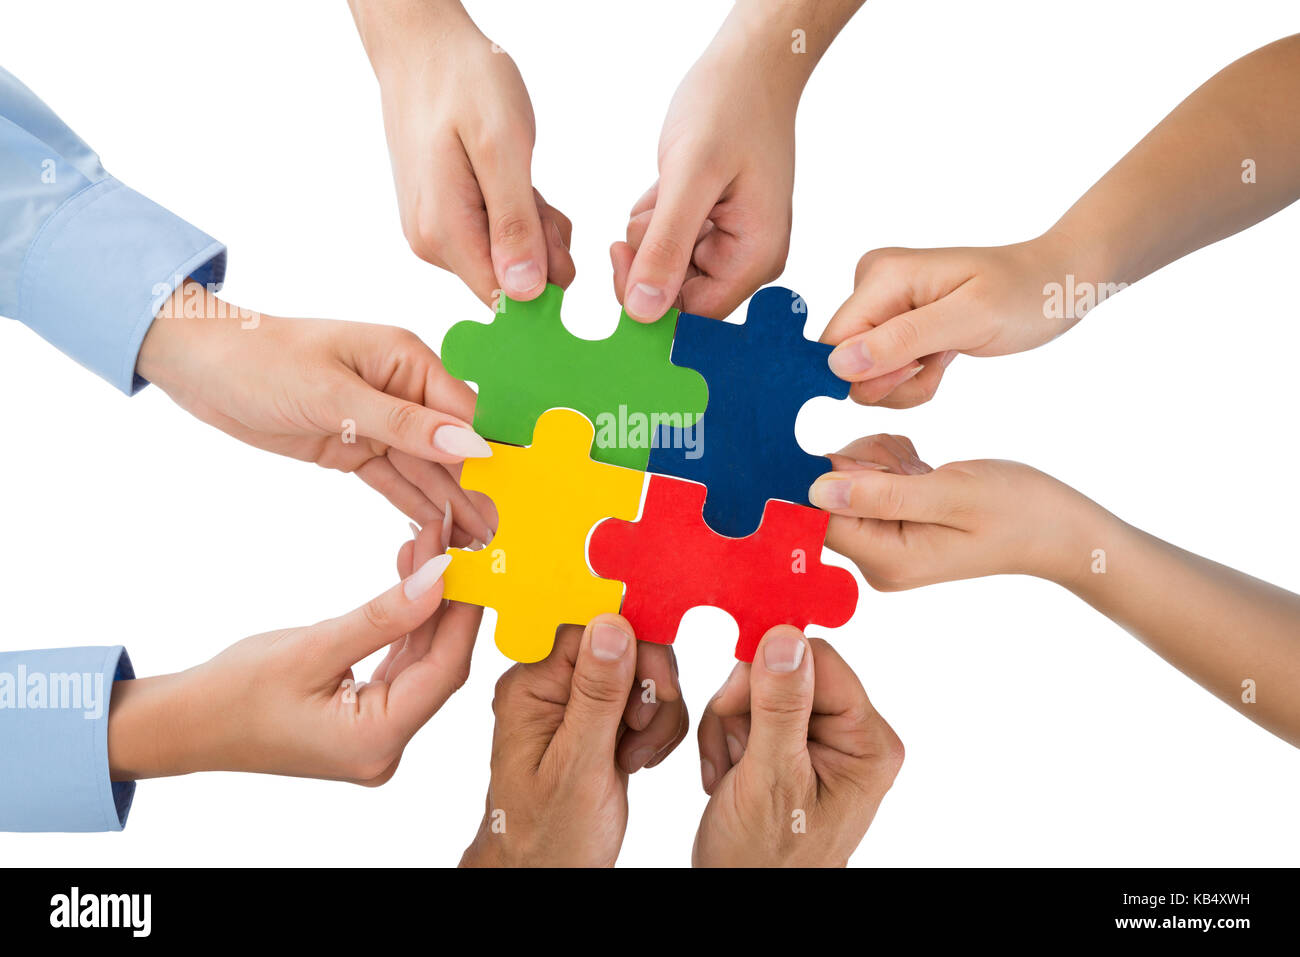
(672, 561)
(534, 571)
(695, 544)
(526, 362)
(760, 374)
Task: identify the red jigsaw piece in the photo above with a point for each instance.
(671, 561)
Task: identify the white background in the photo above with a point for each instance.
(1037, 732)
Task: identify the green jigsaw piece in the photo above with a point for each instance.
(525, 362)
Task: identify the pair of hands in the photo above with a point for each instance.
(795, 759)
(793, 756)
(461, 130)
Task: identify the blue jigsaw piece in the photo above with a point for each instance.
(759, 373)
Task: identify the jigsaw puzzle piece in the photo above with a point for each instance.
(672, 561)
(534, 571)
(526, 362)
(760, 374)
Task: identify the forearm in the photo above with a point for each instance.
(1236, 636)
(153, 729)
(393, 31)
(783, 40)
(1223, 160)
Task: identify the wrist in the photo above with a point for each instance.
(187, 335)
(1084, 536)
(149, 728)
(779, 43)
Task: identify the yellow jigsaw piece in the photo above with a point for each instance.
(548, 497)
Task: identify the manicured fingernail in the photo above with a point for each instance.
(783, 653)
(609, 642)
(425, 577)
(946, 358)
(735, 750)
(639, 759)
(851, 358)
(444, 539)
(645, 301)
(521, 278)
(831, 492)
(707, 774)
(458, 440)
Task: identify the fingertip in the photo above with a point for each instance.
(782, 650)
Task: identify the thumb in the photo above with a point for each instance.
(781, 697)
(663, 255)
(602, 680)
(382, 620)
(410, 427)
(898, 342)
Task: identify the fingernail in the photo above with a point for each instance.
(852, 358)
(911, 373)
(444, 539)
(645, 301)
(426, 577)
(415, 530)
(522, 278)
(735, 750)
(707, 774)
(831, 492)
(638, 759)
(458, 440)
(914, 466)
(608, 642)
(783, 653)
(946, 358)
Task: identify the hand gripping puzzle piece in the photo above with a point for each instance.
(672, 561)
(534, 571)
(526, 362)
(760, 374)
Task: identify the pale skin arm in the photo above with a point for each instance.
(1182, 187)
(906, 525)
(716, 224)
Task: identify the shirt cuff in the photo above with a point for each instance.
(54, 708)
(99, 270)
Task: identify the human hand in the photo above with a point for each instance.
(794, 758)
(905, 525)
(716, 225)
(562, 749)
(460, 130)
(287, 702)
(373, 400)
(913, 310)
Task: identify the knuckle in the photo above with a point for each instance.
(512, 228)
(403, 418)
(376, 614)
(605, 688)
(903, 333)
(889, 501)
(665, 249)
(505, 692)
(876, 261)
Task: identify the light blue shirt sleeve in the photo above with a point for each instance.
(85, 261)
(54, 740)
